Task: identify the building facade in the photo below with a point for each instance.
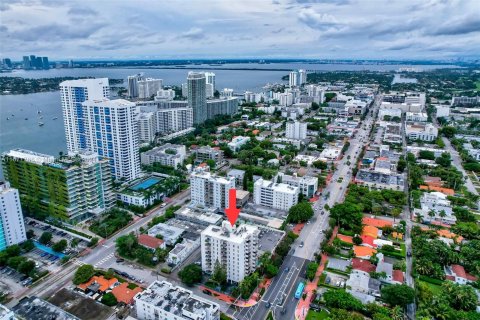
(275, 195)
(73, 94)
(209, 190)
(197, 98)
(12, 225)
(233, 248)
(163, 300)
(296, 130)
(149, 87)
(111, 130)
(71, 188)
(168, 155)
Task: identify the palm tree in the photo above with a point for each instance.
(431, 213)
(397, 313)
(442, 214)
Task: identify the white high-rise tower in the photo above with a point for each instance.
(12, 226)
(73, 93)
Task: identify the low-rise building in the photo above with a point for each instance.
(237, 143)
(145, 191)
(32, 307)
(169, 154)
(275, 195)
(163, 300)
(473, 152)
(436, 206)
(149, 242)
(307, 185)
(201, 216)
(170, 234)
(238, 175)
(416, 116)
(203, 154)
(181, 251)
(378, 180)
(424, 132)
(457, 274)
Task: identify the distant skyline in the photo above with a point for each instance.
(310, 29)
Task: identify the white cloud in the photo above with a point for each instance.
(249, 28)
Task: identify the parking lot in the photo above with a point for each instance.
(336, 280)
(269, 238)
(13, 280)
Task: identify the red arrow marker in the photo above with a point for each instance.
(232, 212)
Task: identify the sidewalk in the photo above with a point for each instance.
(239, 302)
(304, 304)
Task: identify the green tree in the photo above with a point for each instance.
(191, 274)
(45, 238)
(60, 246)
(300, 212)
(449, 132)
(396, 212)
(311, 270)
(342, 300)
(83, 274)
(211, 163)
(109, 299)
(26, 267)
(219, 273)
(125, 245)
(459, 297)
(398, 295)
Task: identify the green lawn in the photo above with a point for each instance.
(478, 85)
(436, 289)
(314, 315)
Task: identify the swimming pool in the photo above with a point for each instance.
(145, 184)
(48, 250)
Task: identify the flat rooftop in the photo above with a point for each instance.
(229, 233)
(38, 309)
(175, 299)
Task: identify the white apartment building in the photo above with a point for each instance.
(174, 120)
(146, 127)
(296, 130)
(442, 110)
(226, 93)
(234, 248)
(111, 131)
(416, 116)
(210, 79)
(390, 113)
(209, 190)
(302, 76)
(285, 99)
(149, 87)
(416, 98)
(163, 300)
(293, 79)
(307, 185)
(424, 132)
(169, 154)
(275, 195)
(12, 226)
(165, 94)
(238, 142)
(73, 93)
(132, 84)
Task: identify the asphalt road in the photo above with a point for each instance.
(311, 236)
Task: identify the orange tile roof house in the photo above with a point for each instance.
(370, 231)
(446, 191)
(433, 181)
(458, 274)
(344, 238)
(374, 222)
(97, 284)
(363, 252)
(150, 242)
(124, 294)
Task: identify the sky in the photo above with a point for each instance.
(171, 29)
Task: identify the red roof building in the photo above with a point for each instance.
(124, 294)
(398, 276)
(362, 265)
(368, 241)
(458, 274)
(150, 242)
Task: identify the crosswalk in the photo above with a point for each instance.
(101, 262)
